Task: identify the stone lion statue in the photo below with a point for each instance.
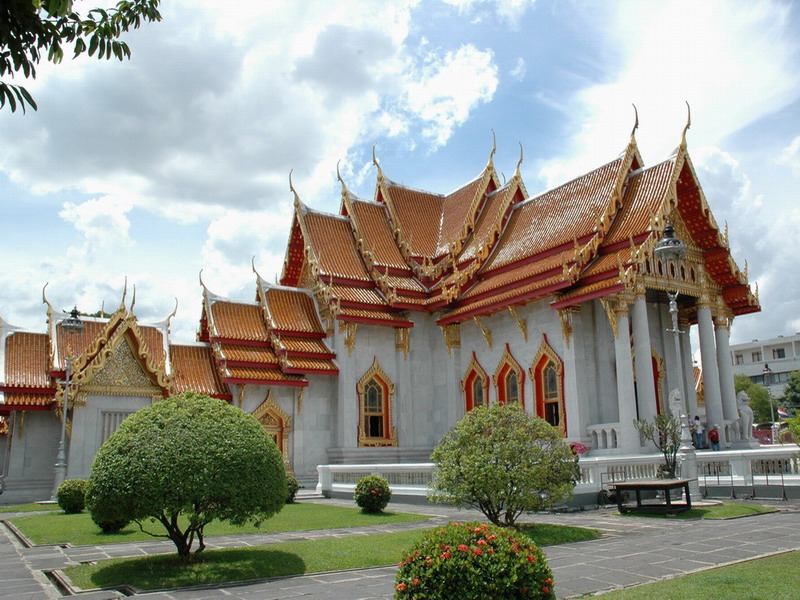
(675, 404)
(745, 415)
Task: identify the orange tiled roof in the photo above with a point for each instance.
(519, 273)
(75, 344)
(263, 376)
(27, 357)
(495, 204)
(311, 365)
(26, 401)
(240, 353)
(419, 216)
(334, 246)
(238, 321)
(364, 315)
(347, 293)
(556, 217)
(193, 368)
(294, 345)
(154, 338)
(455, 212)
(372, 224)
(581, 293)
(293, 311)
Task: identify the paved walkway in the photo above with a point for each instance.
(632, 551)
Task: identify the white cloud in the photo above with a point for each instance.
(791, 156)
(518, 72)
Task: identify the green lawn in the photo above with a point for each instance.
(726, 510)
(239, 564)
(31, 507)
(771, 577)
(544, 534)
(289, 558)
(79, 530)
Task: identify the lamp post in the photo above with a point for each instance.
(71, 325)
(767, 373)
(670, 250)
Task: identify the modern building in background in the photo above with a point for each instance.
(768, 362)
(400, 313)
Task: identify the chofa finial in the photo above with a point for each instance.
(688, 124)
(636, 120)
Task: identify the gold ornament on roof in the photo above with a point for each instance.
(487, 335)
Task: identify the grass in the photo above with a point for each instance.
(726, 510)
(544, 534)
(79, 530)
(241, 564)
(30, 507)
(771, 577)
(288, 558)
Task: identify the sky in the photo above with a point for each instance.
(178, 159)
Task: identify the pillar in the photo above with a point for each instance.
(722, 333)
(711, 385)
(645, 383)
(687, 363)
(628, 440)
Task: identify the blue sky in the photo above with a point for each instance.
(178, 159)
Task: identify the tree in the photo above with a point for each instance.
(503, 462)
(665, 432)
(184, 462)
(791, 393)
(32, 30)
(759, 397)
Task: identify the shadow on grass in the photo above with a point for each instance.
(213, 566)
(544, 534)
(727, 510)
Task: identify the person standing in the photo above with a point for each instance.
(713, 437)
(698, 433)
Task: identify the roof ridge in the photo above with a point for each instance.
(413, 189)
(574, 179)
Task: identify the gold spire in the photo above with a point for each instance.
(339, 177)
(519, 162)
(375, 162)
(636, 122)
(494, 150)
(133, 300)
(124, 293)
(688, 124)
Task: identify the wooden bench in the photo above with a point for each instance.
(657, 485)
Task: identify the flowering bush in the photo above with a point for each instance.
(372, 493)
(474, 561)
(578, 448)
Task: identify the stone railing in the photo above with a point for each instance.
(603, 436)
(729, 467)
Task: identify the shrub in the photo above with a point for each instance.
(479, 560)
(372, 494)
(291, 488)
(503, 462)
(71, 495)
(187, 456)
(110, 525)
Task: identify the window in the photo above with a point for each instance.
(508, 380)
(475, 385)
(757, 356)
(276, 422)
(375, 392)
(547, 373)
(739, 359)
(778, 353)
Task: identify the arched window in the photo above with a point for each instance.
(475, 385)
(375, 393)
(277, 423)
(547, 373)
(508, 379)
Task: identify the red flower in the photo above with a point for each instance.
(491, 537)
(415, 581)
(445, 555)
(549, 580)
(400, 587)
(531, 558)
(490, 550)
(482, 542)
(545, 589)
(477, 552)
(463, 548)
(477, 530)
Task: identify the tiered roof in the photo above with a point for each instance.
(486, 247)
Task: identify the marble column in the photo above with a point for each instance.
(628, 438)
(722, 333)
(688, 367)
(711, 385)
(645, 384)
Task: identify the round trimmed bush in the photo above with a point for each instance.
(372, 494)
(291, 488)
(479, 560)
(71, 495)
(110, 525)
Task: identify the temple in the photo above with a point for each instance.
(400, 313)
